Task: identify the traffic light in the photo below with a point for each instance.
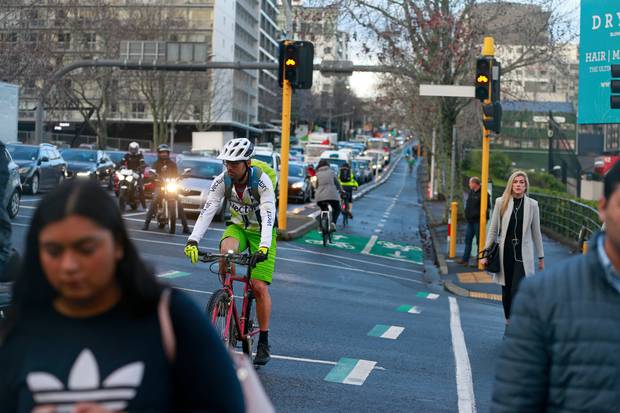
(483, 78)
(296, 63)
(492, 119)
(615, 87)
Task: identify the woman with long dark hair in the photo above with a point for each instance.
(91, 329)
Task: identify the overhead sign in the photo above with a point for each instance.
(448, 90)
(599, 49)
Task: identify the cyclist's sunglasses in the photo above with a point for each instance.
(233, 163)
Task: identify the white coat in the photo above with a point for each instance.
(531, 237)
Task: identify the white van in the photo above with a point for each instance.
(338, 157)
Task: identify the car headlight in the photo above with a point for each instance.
(171, 186)
(23, 170)
(298, 185)
(84, 174)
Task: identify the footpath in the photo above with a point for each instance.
(468, 281)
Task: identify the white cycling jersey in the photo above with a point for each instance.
(242, 212)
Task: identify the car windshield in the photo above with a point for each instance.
(337, 162)
(150, 159)
(79, 155)
(268, 159)
(296, 170)
(23, 153)
(201, 169)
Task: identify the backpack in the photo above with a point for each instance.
(345, 174)
(256, 171)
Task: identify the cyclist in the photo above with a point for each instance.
(410, 163)
(328, 190)
(134, 160)
(348, 182)
(251, 226)
(165, 168)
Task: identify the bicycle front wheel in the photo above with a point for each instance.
(220, 304)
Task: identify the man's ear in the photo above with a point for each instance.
(602, 207)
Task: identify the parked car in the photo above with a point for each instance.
(40, 166)
(13, 193)
(299, 187)
(194, 188)
(90, 164)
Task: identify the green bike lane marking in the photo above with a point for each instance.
(411, 309)
(428, 296)
(350, 371)
(385, 331)
(368, 246)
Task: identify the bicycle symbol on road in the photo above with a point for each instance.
(343, 245)
(400, 248)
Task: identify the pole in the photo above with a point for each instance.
(39, 115)
(432, 194)
(453, 164)
(287, 92)
(454, 206)
(488, 49)
(172, 135)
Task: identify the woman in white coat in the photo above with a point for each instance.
(519, 234)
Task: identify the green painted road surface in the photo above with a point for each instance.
(356, 244)
(173, 274)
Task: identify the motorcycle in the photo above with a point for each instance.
(168, 201)
(128, 190)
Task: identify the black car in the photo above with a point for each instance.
(299, 187)
(40, 166)
(90, 164)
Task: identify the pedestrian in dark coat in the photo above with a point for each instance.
(561, 348)
(472, 216)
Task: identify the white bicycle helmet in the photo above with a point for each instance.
(239, 149)
(134, 148)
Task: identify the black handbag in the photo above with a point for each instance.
(492, 256)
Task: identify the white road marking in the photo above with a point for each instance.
(27, 207)
(314, 361)
(371, 243)
(393, 332)
(464, 382)
(360, 372)
(133, 214)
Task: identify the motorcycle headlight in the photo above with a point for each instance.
(171, 187)
(84, 174)
(298, 185)
(24, 170)
(129, 178)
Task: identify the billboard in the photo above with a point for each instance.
(599, 49)
(9, 108)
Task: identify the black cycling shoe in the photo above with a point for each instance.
(262, 354)
(186, 230)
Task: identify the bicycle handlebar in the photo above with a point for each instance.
(237, 258)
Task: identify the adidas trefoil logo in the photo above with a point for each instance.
(85, 386)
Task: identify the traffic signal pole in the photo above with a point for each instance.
(287, 93)
(488, 50)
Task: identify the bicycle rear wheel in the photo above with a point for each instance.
(218, 307)
(325, 229)
(251, 323)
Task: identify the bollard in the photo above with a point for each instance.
(452, 228)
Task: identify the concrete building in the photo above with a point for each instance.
(320, 26)
(231, 29)
(268, 89)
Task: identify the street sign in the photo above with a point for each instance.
(599, 49)
(448, 90)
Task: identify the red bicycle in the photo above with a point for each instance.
(230, 325)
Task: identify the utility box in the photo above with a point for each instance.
(210, 142)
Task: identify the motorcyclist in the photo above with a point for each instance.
(165, 168)
(134, 160)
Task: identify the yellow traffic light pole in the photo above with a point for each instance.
(287, 93)
(488, 50)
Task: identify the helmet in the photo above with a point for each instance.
(345, 165)
(134, 148)
(239, 149)
(163, 147)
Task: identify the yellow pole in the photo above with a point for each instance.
(488, 49)
(453, 217)
(419, 149)
(584, 248)
(287, 92)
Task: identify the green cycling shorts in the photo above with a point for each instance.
(264, 270)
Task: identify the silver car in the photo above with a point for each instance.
(13, 193)
(194, 188)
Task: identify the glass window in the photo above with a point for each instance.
(80, 155)
(296, 170)
(201, 169)
(23, 153)
(268, 159)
